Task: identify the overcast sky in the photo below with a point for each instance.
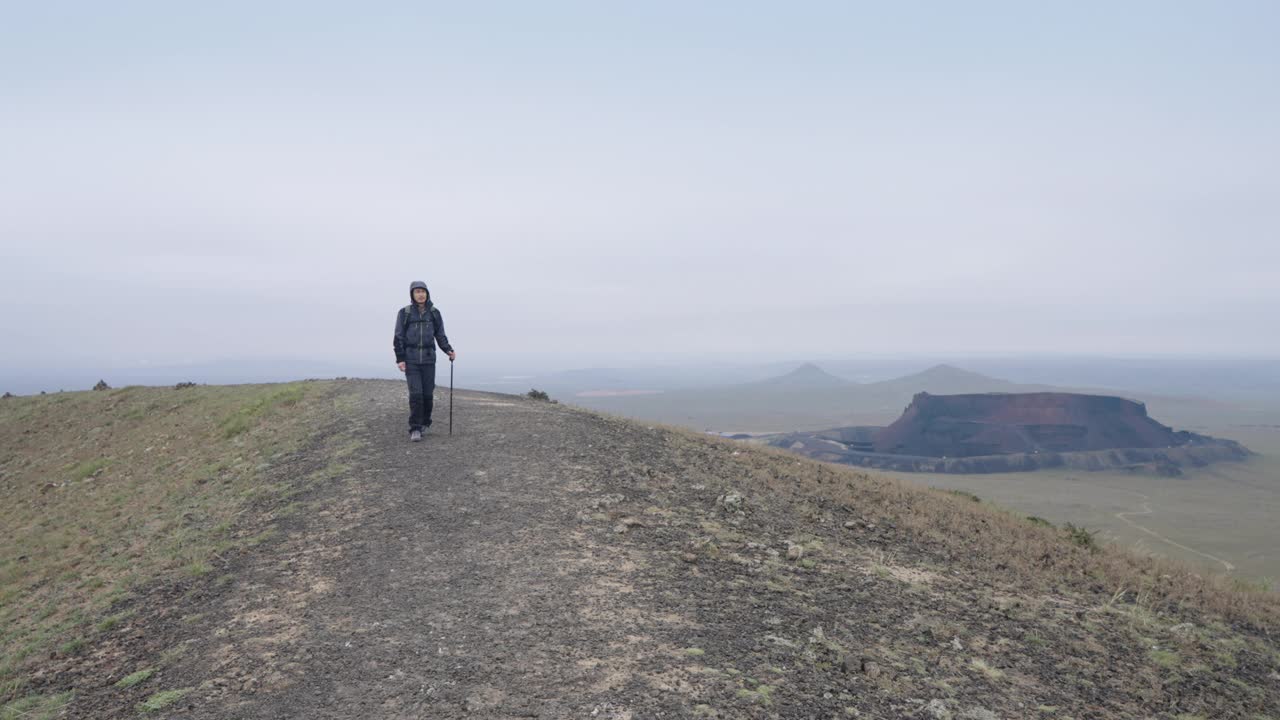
(185, 182)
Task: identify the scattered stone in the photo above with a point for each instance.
(937, 709)
(730, 501)
(689, 557)
(606, 501)
(1183, 629)
(955, 643)
(781, 641)
(869, 668)
(795, 552)
(102, 385)
(978, 713)
(626, 524)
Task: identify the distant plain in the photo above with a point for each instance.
(1222, 517)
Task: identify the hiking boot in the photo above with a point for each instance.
(415, 436)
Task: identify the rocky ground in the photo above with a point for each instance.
(548, 562)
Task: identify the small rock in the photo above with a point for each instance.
(795, 552)
(955, 643)
(851, 524)
(869, 668)
(689, 557)
(978, 713)
(730, 501)
(781, 641)
(937, 709)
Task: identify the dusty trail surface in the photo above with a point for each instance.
(461, 584)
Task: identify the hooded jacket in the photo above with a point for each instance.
(418, 330)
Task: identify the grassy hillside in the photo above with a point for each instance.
(750, 582)
(111, 493)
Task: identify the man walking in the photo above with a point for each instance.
(419, 328)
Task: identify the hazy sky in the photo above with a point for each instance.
(182, 182)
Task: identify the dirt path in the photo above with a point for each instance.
(457, 584)
(1146, 510)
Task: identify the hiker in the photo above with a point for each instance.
(418, 328)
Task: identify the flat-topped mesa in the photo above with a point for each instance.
(955, 426)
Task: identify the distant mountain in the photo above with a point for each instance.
(947, 380)
(806, 398)
(810, 398)
(807, 375)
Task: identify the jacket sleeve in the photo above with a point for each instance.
(398, 342)
(441, 339)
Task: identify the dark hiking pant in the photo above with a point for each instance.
(422, 388)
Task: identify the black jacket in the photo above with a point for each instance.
(418, 330)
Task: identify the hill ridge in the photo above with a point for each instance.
(549, 561)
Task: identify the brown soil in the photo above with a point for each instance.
(548, 562)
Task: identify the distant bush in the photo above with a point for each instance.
(184, 385)
(1036, 520)
(536, 394)
(966, 495)
(1081, 536)
(102, 385)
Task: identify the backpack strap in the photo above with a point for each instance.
(405, 315)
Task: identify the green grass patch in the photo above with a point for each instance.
(965, 495)
(1167, 659)
(163, 699)
(132, 679)
(762, 694)
(247, 416)
(110, 622)
(1081, 537)
(87, 468)
(179, 491)
(987, 669)
(35, 707)
(73, 646)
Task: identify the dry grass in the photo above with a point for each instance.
(105, 491)
(989, 539)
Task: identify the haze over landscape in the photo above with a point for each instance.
(734, 242)
(657, 211)
(583, 186)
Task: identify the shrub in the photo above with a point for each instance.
(1082, 537)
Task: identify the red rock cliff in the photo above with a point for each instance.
(997, 423)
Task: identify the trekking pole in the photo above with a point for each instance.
(451, 396)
